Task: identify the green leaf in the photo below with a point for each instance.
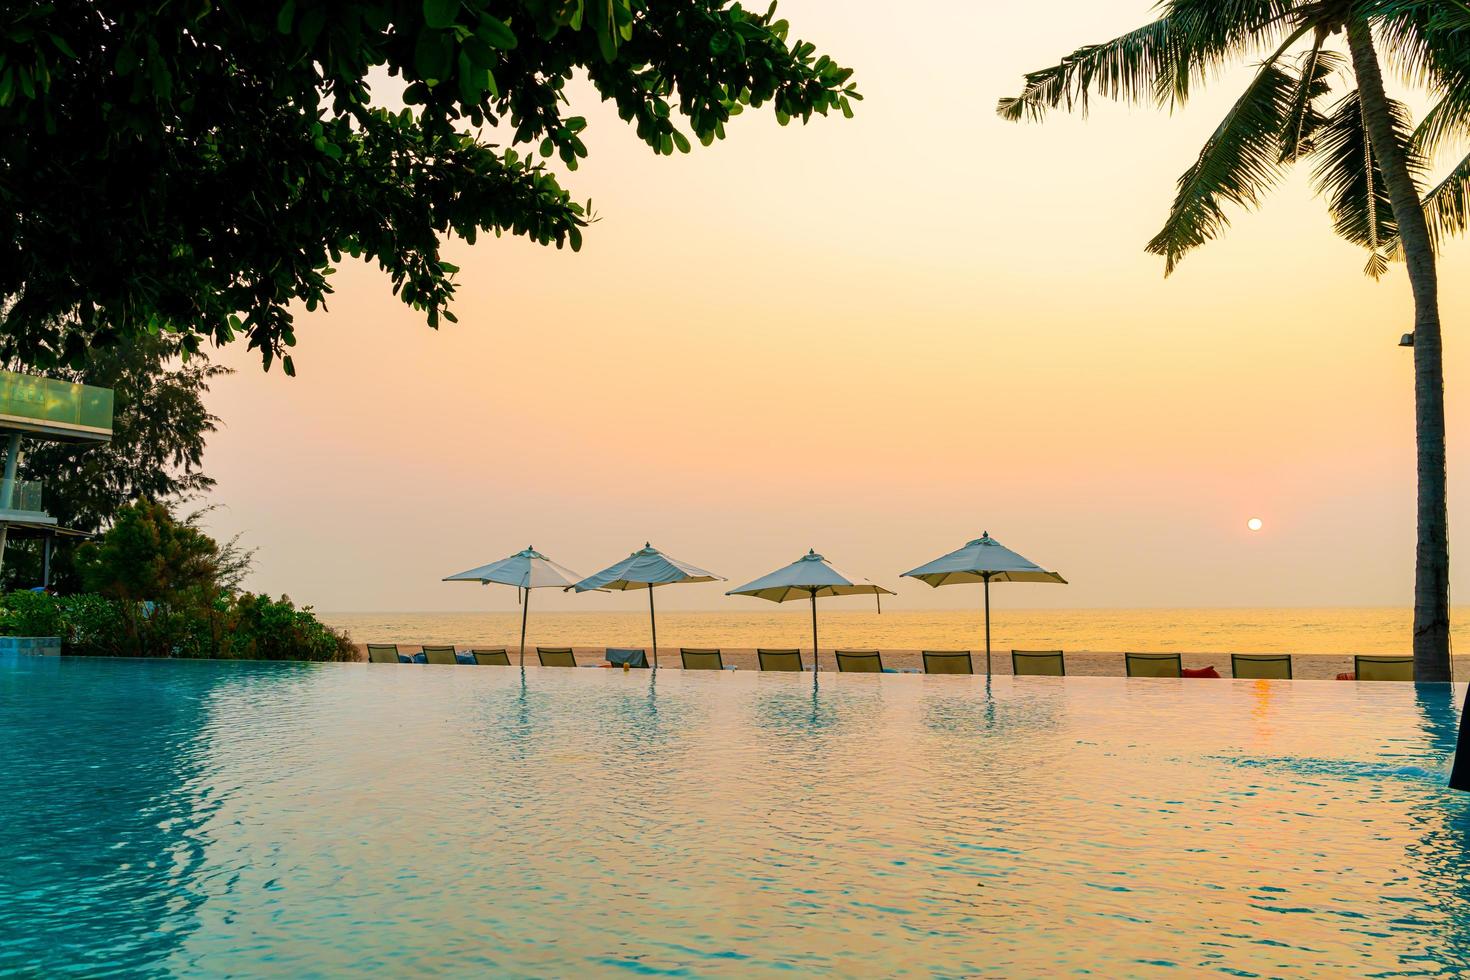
(432, 55)
(311, 25)
(495, 32)
(440, 13)
(481, 55)
(286, 16)
(472, 83)
(62, 46)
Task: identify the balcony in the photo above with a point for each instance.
(50, 409)
(24, 504)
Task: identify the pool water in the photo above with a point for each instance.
(205, 819)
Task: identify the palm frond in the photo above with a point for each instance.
(1348, 175)
(1125, 68)
(1214, 33)
(1428, 41)
(1446, 208)
(1239, 162)
(1447, 205)
(1303, 118)
(1448, 120)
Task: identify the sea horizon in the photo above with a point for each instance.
(1238, 629)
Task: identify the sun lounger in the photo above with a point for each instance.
(784, 660)
(383, 653)
(1153, 664)
(701, 659)
(620, 657)
(859, 662)
(440, 655)
(1384, 668)
(492, 658)
(556, 656)
(948, 662)
(1261, 666)
(1038, 663)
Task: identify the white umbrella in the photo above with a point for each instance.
(808, 577)
(526, 570)
(983, 560)
(647, 568)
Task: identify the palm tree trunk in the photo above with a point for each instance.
(1432, 557)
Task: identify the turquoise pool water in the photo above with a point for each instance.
(207, 819)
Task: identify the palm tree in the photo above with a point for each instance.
(1368, 164)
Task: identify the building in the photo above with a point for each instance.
(33, 407)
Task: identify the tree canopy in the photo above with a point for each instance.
(196, 166)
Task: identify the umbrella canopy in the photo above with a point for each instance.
(983, 560)
(647, 568)
(809, 577)
(526, 570)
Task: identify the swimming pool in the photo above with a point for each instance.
(198, 818)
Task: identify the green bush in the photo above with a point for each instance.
(265, 629)
(87, 624)
(30, 614)
(243, 626)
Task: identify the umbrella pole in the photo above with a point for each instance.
(653, 623)
(816, 661)
(987, 625)
(525, 608)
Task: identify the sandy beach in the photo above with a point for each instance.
(1081, 663)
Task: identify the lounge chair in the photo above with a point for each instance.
(383, 653)
(787, 660)
(440, 655)
(619, 657)
(1261, 666)
(948, 662)
(1038, 663)
(1384, 668)
(492, 658)
(859, 662)
(701, 659)
(1153, 664)
(556, 656)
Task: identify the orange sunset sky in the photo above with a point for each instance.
(875, 337)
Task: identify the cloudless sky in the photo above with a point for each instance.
(877, 337)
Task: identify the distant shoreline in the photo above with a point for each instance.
(1080, 663)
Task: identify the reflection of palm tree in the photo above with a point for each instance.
(1367, 160)
(1445, 824)
(1460, 774)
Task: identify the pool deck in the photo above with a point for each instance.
(1080, 663)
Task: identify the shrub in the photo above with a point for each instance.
(87, 624)
(244, 626)
(267, 629)
(30, 614)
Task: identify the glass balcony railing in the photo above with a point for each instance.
(25, 497)
(58, 408)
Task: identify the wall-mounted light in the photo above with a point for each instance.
(1407, 340)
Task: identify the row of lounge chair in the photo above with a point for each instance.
(1034, 663)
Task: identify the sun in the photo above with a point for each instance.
(1254, 524)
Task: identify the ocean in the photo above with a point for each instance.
(1296, 631)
